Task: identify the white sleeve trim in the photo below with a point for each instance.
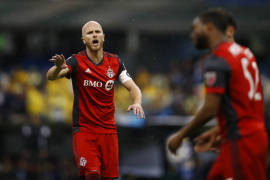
(124, 76)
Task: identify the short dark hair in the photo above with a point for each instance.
(220, 17)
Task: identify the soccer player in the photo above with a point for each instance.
(211, 140)
(93, 73)
(234, 95)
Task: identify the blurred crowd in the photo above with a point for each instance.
(25, 94)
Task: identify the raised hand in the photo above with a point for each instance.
(59, 61)
(137, 110)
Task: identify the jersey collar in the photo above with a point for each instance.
(93, 61)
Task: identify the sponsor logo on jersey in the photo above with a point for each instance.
(88, 71)
(83, 161)
(98, 84)
(109, 85)
(210, 78)
(92, 83)
(110, 73)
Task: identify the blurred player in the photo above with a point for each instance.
(93, 73)
(234, 95)
(211, 139)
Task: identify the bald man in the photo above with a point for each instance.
(93, 73)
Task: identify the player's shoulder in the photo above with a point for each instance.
(233, 52)
(76, 58)
(230, 50)
(112, 58)
(71, 59)
(79, 54)
(110, 55)
(214, 62)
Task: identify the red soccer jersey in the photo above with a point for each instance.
(93, 88)
(232, 71)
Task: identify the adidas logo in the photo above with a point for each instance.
(87, 70)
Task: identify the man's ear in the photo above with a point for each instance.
(230, 31)
(83, 40)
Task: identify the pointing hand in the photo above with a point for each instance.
(59, 61)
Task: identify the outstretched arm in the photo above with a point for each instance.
(208, 111)
(59, 69)
(136, 95)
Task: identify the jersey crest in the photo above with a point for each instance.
(110, 72)
(210, 78)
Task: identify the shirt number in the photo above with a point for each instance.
(253, 84)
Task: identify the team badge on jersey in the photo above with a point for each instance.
(210, 78)
(83, 161)
(110, 73)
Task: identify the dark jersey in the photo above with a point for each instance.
(232, 71)
(93, 87)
